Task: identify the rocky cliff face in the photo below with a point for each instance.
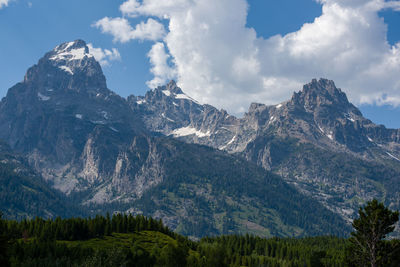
(64, 118)
(169, 111)
(23, 193)
(318, 141)
(322, 144)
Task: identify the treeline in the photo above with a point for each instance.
(256, 251)
(126, 240)
(81, 229)
(84, 242)
(69, 242)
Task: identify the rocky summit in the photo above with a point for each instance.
(60, 111)
(163, 155)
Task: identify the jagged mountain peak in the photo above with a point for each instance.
(68, 83)
(68, 46)
(66, 53)
(68, 66)
(256, 108)
(170, 95)
(324, 102)
(173, 88)
(323, 87)
(73, 57)
(322, 92)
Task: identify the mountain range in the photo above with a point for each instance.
(317, 141)
(302, 167)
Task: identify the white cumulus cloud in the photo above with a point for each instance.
(123, 32)
(4, 3)
(104, 56)
(217, 59)
(160, 68)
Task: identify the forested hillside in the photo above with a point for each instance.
(23, 193)
(137, 241)
(125, 240)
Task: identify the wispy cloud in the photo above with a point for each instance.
(122, 31)
(104, 56)
(161, 70)
(4, 3)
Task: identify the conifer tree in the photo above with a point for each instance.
(3, 242)
(371, 228)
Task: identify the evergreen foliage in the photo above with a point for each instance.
(23, 193)
(82, 229)
(367, 244)
(3, 242)
(126, 240)
(202, 183)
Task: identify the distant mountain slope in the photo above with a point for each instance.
(90, 144)
(208, 191)
(23, 193)
(318, 141)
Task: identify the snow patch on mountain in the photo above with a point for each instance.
(105, 115)
(69, 55)
(227, 144)
(349, 117)
(272, 119)
(183, 96)
(166, 92)
(185, 131)
(43, 97)
(67, 69)
(165, 117)
(113, 129)
(396, 158)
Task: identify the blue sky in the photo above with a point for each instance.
(223, 47)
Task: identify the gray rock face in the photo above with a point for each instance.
(318, 141)
(321, 143)
(169, 111)
(325, 107)
(68, 66)
(63, 117)
(23, 193)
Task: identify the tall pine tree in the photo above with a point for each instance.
(367, 244)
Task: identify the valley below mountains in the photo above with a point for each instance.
(72, 147)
